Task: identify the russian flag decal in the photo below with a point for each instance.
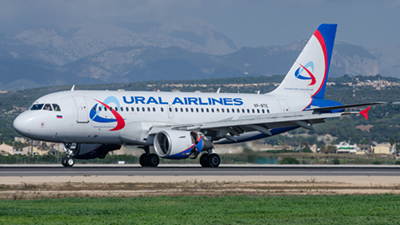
(59, 116)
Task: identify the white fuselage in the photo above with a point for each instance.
(83, 118)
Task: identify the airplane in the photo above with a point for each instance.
(181, 125)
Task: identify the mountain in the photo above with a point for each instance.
(170, 49)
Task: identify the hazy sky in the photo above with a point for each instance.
(370, 23)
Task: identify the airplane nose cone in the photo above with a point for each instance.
(21, 125)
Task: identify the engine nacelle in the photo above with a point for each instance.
(175, 144)
(92, 151)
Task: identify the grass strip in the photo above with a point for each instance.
(341, 209)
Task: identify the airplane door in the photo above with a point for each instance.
(283, 104)
(82, 111)
(170, 111)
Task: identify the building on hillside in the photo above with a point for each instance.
(10, 150)
(363, 149)
(20, 139)
(383, 148)
(6, 149)
(346, 148)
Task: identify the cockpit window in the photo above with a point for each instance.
(56, 107)
(37, 107)
(48, 107)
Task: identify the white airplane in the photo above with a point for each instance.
(182, 125)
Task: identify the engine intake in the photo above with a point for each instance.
(174, 144)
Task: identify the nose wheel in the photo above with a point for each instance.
(67, 162)
(70, 149)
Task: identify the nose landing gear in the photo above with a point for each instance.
(70, 149)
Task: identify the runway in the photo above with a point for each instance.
(253, 170)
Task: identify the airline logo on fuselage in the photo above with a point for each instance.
(182, 101)
(306, 72)
(94, 113)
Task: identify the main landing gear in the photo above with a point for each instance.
(210, 160)
(147, 159)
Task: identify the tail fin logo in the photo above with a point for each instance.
(309, 76)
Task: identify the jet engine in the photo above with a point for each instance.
(175, 144)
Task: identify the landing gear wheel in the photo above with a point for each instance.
(67, 162)
(153, 160)
(203, 160)
(143, 160)
(70, 162)
(64, 162)
(213, 160)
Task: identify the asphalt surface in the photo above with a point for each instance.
(254, 170)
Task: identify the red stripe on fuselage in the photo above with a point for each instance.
(120, 120)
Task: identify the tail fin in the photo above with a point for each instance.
(308, 75)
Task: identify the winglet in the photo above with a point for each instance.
(364, 113)
(73, 87)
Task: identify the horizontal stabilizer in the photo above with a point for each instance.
(364, 113)
(329, 108)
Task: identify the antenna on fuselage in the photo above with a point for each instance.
(73, 87)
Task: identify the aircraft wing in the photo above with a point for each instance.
(265, 123)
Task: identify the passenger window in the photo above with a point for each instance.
(105, 109)
(99, 108)
(187, 110)
(116, 109)
(143, 109)
(137, 109)
(162, 109)
(248, 110)
(122, 109)
(197, 109)
(127, 109)
(258, 111)
(217, 109)
(47, 107)
(132, 109)
(154, 109)
(227, 110)
(94, 108)
(148, 109)
(222, 110)
(57, 108)
(202, 110)
(212, 110)
(253, 110)
(262, 110)
(170, 109)
(242, 110)
(267, 110)
(176, 109)
(207, 110)
(191, 109)
(37, 107)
